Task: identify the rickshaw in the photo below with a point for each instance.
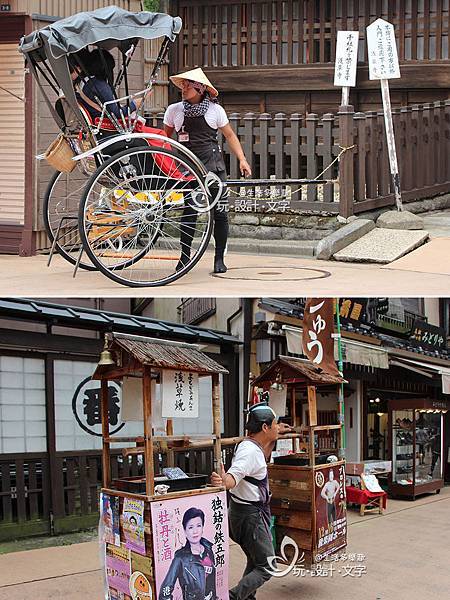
(124, 198)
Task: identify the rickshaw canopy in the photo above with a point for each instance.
(108, 27)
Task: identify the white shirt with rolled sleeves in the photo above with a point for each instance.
(215, 116)
(249, 460)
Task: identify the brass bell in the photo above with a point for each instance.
(106, 359)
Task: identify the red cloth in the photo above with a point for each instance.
(356, 496)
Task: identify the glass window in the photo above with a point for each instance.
(428, 447)
(403, 447)
(22, 405)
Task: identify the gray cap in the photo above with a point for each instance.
(260, 413)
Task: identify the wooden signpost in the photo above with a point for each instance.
(346, 60)
(383, 65)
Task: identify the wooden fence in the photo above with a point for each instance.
(291, 32)
(298, 146)
(40, 494)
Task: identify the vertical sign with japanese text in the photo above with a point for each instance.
(346, 58)
(318, 328)
(179, 394)
(382, 51)
(331, 510)
(383, 65)
(190, 547)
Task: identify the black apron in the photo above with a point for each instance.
(203, 143)
(263, 504)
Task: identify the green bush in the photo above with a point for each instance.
(151, 5)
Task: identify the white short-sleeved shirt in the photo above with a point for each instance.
(249, 460)
(215, 116)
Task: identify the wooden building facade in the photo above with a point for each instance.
(278, 56)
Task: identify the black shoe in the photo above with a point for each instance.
(219, 265)
(184, 259)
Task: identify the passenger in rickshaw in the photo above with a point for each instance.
(197, 119)
(96, 86)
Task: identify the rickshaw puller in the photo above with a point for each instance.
(197, 119)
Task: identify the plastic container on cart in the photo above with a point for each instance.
(136, 485)
(299, 461)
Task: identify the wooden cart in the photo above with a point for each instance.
(301, 485)
(137, 561)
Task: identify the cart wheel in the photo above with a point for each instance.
(61, 201)
(438, 491)
(135, 219)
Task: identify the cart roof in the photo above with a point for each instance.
(107, 27)
(297, 368)
(162, 355)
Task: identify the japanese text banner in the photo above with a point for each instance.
(318, 328)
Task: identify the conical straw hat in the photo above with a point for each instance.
(195, 75)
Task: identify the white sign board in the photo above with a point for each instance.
(179, 394)
(346, 58)
(277, 401)
(382, 51)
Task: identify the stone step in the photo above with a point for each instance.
(299, 248)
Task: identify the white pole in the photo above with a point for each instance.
(345, 96)
(391, 142)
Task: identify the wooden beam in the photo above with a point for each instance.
(148, 437)
(106, 459)
(312, 405)
(216, 421)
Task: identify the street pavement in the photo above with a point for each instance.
(424, 271)
(404, 555)
(248, 275)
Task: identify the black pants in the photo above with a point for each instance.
(221, 227)
(250, 530)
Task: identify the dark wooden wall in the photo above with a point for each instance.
(279, 56)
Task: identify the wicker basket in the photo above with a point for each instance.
(59, 155)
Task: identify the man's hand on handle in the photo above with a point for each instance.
(223, 479)
(219, 480)
(244, 167)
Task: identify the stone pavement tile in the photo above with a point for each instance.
(382, 246)
(43, 563)
(406, 558)
(433, 257)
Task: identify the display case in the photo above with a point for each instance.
(416, 444)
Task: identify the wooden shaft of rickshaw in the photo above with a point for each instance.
(269, 182)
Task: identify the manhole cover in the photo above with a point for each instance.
(284, 274)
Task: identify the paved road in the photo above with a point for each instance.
(248, 275)
(407, 558)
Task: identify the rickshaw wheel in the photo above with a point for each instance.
(62, 201)
(138, 210)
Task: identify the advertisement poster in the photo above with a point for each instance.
(331, 511)
(110, 518)
(133, 524)
(118, 568)
(190, 546)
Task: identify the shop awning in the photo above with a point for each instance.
(354, 352)
(424, 368)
